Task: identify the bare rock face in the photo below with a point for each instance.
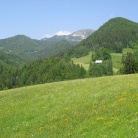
(83, 33)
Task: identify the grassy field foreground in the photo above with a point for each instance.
(105, 107)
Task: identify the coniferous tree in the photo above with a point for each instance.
(130, 63)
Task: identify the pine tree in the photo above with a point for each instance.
(129, 64)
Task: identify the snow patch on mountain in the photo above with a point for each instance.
(83, 33)
(59, 33)
(70, 37)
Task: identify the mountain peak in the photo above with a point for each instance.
(76, 36)
(83, 33)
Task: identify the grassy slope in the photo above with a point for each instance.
(116, 58)
(84, 61)
(117, 61)
(92, 108)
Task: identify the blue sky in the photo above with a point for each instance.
(40, 18)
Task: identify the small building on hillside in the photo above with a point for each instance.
(98, 61)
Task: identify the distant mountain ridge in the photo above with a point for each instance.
(115, 34)
(73, 38)
(29, 49)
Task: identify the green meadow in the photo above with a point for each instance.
(116, 60)
(105, 107)
(84, 61)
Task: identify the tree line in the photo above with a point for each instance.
(61, 68)
(38, 72)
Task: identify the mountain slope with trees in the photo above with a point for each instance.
(38, 72)
(29, 49)
(11, 59)
(116, 34)
(54, 49)
(22, 46)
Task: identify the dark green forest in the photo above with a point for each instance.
(116, 34)
(38, 72)
(11, 59)
(130, 63)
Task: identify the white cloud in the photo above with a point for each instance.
(58, 33)
(47, 36)
(63, 33)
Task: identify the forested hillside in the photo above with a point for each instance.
(22, 46)
(28, 49)
(116, 34)
(54, 49)
(39, 71)
(11, 59)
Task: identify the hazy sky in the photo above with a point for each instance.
(40, 18)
